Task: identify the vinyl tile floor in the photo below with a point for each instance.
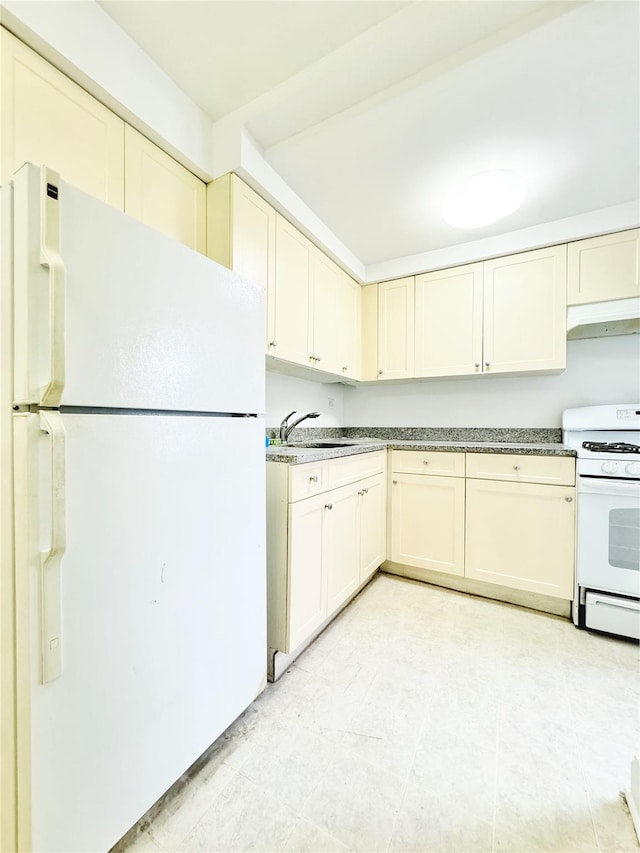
(421, 720)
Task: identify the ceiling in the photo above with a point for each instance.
(371, 110)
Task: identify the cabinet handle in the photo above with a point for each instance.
(318, 358)
(395, 482)
(477, 365)
(345, 367)
(487, 364)
(365, 491)
(271, 344)
(379, 373)
(313, 478)
(312, 358)
(516, 467)
(328, 506)
(361, 493)
(568, 499)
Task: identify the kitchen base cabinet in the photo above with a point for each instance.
(320, 547)
(506, 531)
(521, 535)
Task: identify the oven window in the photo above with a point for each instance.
(624, 538)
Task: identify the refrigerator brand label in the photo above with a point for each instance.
(52, 191)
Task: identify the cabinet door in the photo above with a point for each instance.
(427, 522)
(521, 535)
(349, 327)
(606, 267)
(293, 263)
(449, 322)
(525, 311)
(162, 193)
(306, 588)
(326, 283)
(341, 544)
(373, 525)
(254, 246)
(49, 120)
(396, 328)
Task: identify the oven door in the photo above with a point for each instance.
(608, 552)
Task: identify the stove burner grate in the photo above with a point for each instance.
(611, 447)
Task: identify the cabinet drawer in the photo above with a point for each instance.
(440, 462)
(348, 469)
(307, 480)
(554, 470)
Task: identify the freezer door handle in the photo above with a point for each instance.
(50, 560)
(50, 258)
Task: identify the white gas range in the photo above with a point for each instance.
(607, 442)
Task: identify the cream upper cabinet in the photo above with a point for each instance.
(241, 235)
(49, 120)
(369, 333)
(448, 329)
(396, 329)
(162, 193)
(325, 320)
(427, 510)
(349, 317)
(293, 294)
(606, 267)
(521, 535)
(525, 312)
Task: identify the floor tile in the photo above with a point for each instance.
(422, 719)
(357, 803)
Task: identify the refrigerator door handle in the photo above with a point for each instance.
(50, 560)
(51, 259)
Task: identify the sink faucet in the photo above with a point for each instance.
(286, 428)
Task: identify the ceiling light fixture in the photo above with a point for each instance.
(484, 198)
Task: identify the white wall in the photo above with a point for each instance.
(285, 393)
(599, 371)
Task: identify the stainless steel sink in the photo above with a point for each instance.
(313, 445)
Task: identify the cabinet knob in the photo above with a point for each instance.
(568, 499)
(312, 358)
(395, 482)
(313, 478)
(361, 493)
(328, 506)
(477, 365)
(318, 358)
(516, 467)
(365, 491)
(487, 364)
(271, 344)
(345, 367)
(425, 461)
(379, 373)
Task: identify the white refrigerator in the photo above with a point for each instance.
(139, 519)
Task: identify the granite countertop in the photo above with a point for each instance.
(301, 455)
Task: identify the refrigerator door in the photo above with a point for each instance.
(110, 313)
(162, 606)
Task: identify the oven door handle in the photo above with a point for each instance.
(608, 486)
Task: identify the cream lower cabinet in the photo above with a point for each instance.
(324, 540)
(427, 510)
(49, 120)
(509, 522)
(520, 524)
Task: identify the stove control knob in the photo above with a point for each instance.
(633, 468)
(610, 467)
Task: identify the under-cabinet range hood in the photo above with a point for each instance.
(599, 319)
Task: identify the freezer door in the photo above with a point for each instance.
(111, 313)
(162, 591)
